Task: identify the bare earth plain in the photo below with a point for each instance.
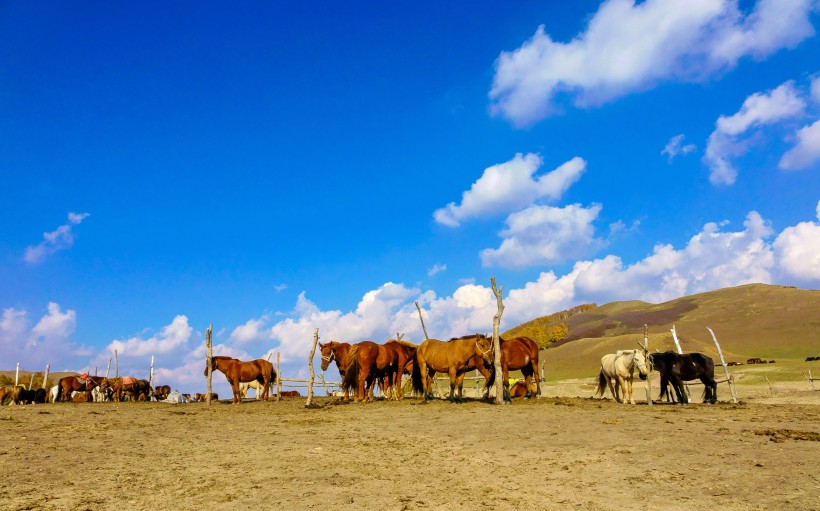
(562, 451)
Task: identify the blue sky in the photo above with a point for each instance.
(273, 169)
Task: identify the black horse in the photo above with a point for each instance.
(677, 368)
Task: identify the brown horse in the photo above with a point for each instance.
(405, 351)
(201, 398)
(338, 351)
(454, 358)
(70, 384)
(368, 361)
(126, 386)
(161, 392)
(237, 371)
(519, 353)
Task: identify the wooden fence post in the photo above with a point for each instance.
(499, 384)
(116, 365)
(151, 372)
(17, 375)
(31, 383)
(278, 376)
(675, 338)
(45, 378)
(725, 369)
(309, 401)
(107, 369)
(422, 321)
(648, 365)
(209, 343)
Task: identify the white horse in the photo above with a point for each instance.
(620, 366)
(244, 386)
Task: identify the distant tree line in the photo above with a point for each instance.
(548, 329)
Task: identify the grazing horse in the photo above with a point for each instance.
(201, 398)
(237, 371)
(677, 368)
(161, 392)
(368, 361)
(620, 367)
(245, 386)
(4, 391)
(454, 358)
(83, 383)
(522, 389)
(519, 353)
(338, 351)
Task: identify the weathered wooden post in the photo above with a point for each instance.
(309, 401)
(107, 369)
(17, 375)
(675, 338)
(771, 392)
(422, 321)
(151, 373)
(116, 365)
(45, 377)
(725, 369)
(278, 376)
(648, 365)
(31, 383)
(499, 384)
(209, 344)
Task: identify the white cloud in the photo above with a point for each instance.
(798, 250)
(436, 268)
(675, 147)
(280, 287)
(252, 330)
(170, 337)
(545, 234)
(629, 46)
(759, 109)
(60, 239)
(47, 342)
(807, 150)
(510, 186)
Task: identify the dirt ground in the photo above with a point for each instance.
(557, 452)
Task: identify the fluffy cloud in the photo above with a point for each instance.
(758, 110)
(509, 186)
(47, 342)
(807, 150)
(675, 147)
(545, 234)
(169, 337)
(252, 330)
(436, 268)
(798, 250)
(630, 46)
(60, 239)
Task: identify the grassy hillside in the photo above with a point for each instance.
(756, 320)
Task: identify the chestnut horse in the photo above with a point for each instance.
(136, 390)
(70, 384)
(339, 352)
(518, 353)
(368, 361)
(405, 351)
(454, 357)
(237, 371)
(161, 392)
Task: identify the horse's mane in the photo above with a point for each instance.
(467, 337)
(404, 343)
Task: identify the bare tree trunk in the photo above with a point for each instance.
(499, 377)
(725, 369)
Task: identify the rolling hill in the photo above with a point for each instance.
(755, 320)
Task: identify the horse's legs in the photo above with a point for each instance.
(505, 369)
(679, 390)
(629, 386)
(453, 385)
(618, 388)
(460, 386)
(613, 389)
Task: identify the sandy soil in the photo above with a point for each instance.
(551, 453)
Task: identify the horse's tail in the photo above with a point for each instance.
(599, 390)
(491, 380)
(416, 376)
(351, 376)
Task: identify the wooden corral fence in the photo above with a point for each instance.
(810, 379)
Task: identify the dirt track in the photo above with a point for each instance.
(551, 453)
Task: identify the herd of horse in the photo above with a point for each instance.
(618, 369)
(366, 364)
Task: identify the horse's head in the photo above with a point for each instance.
(484, 348)
(639, 361)
(213, 367)
(327, 354)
